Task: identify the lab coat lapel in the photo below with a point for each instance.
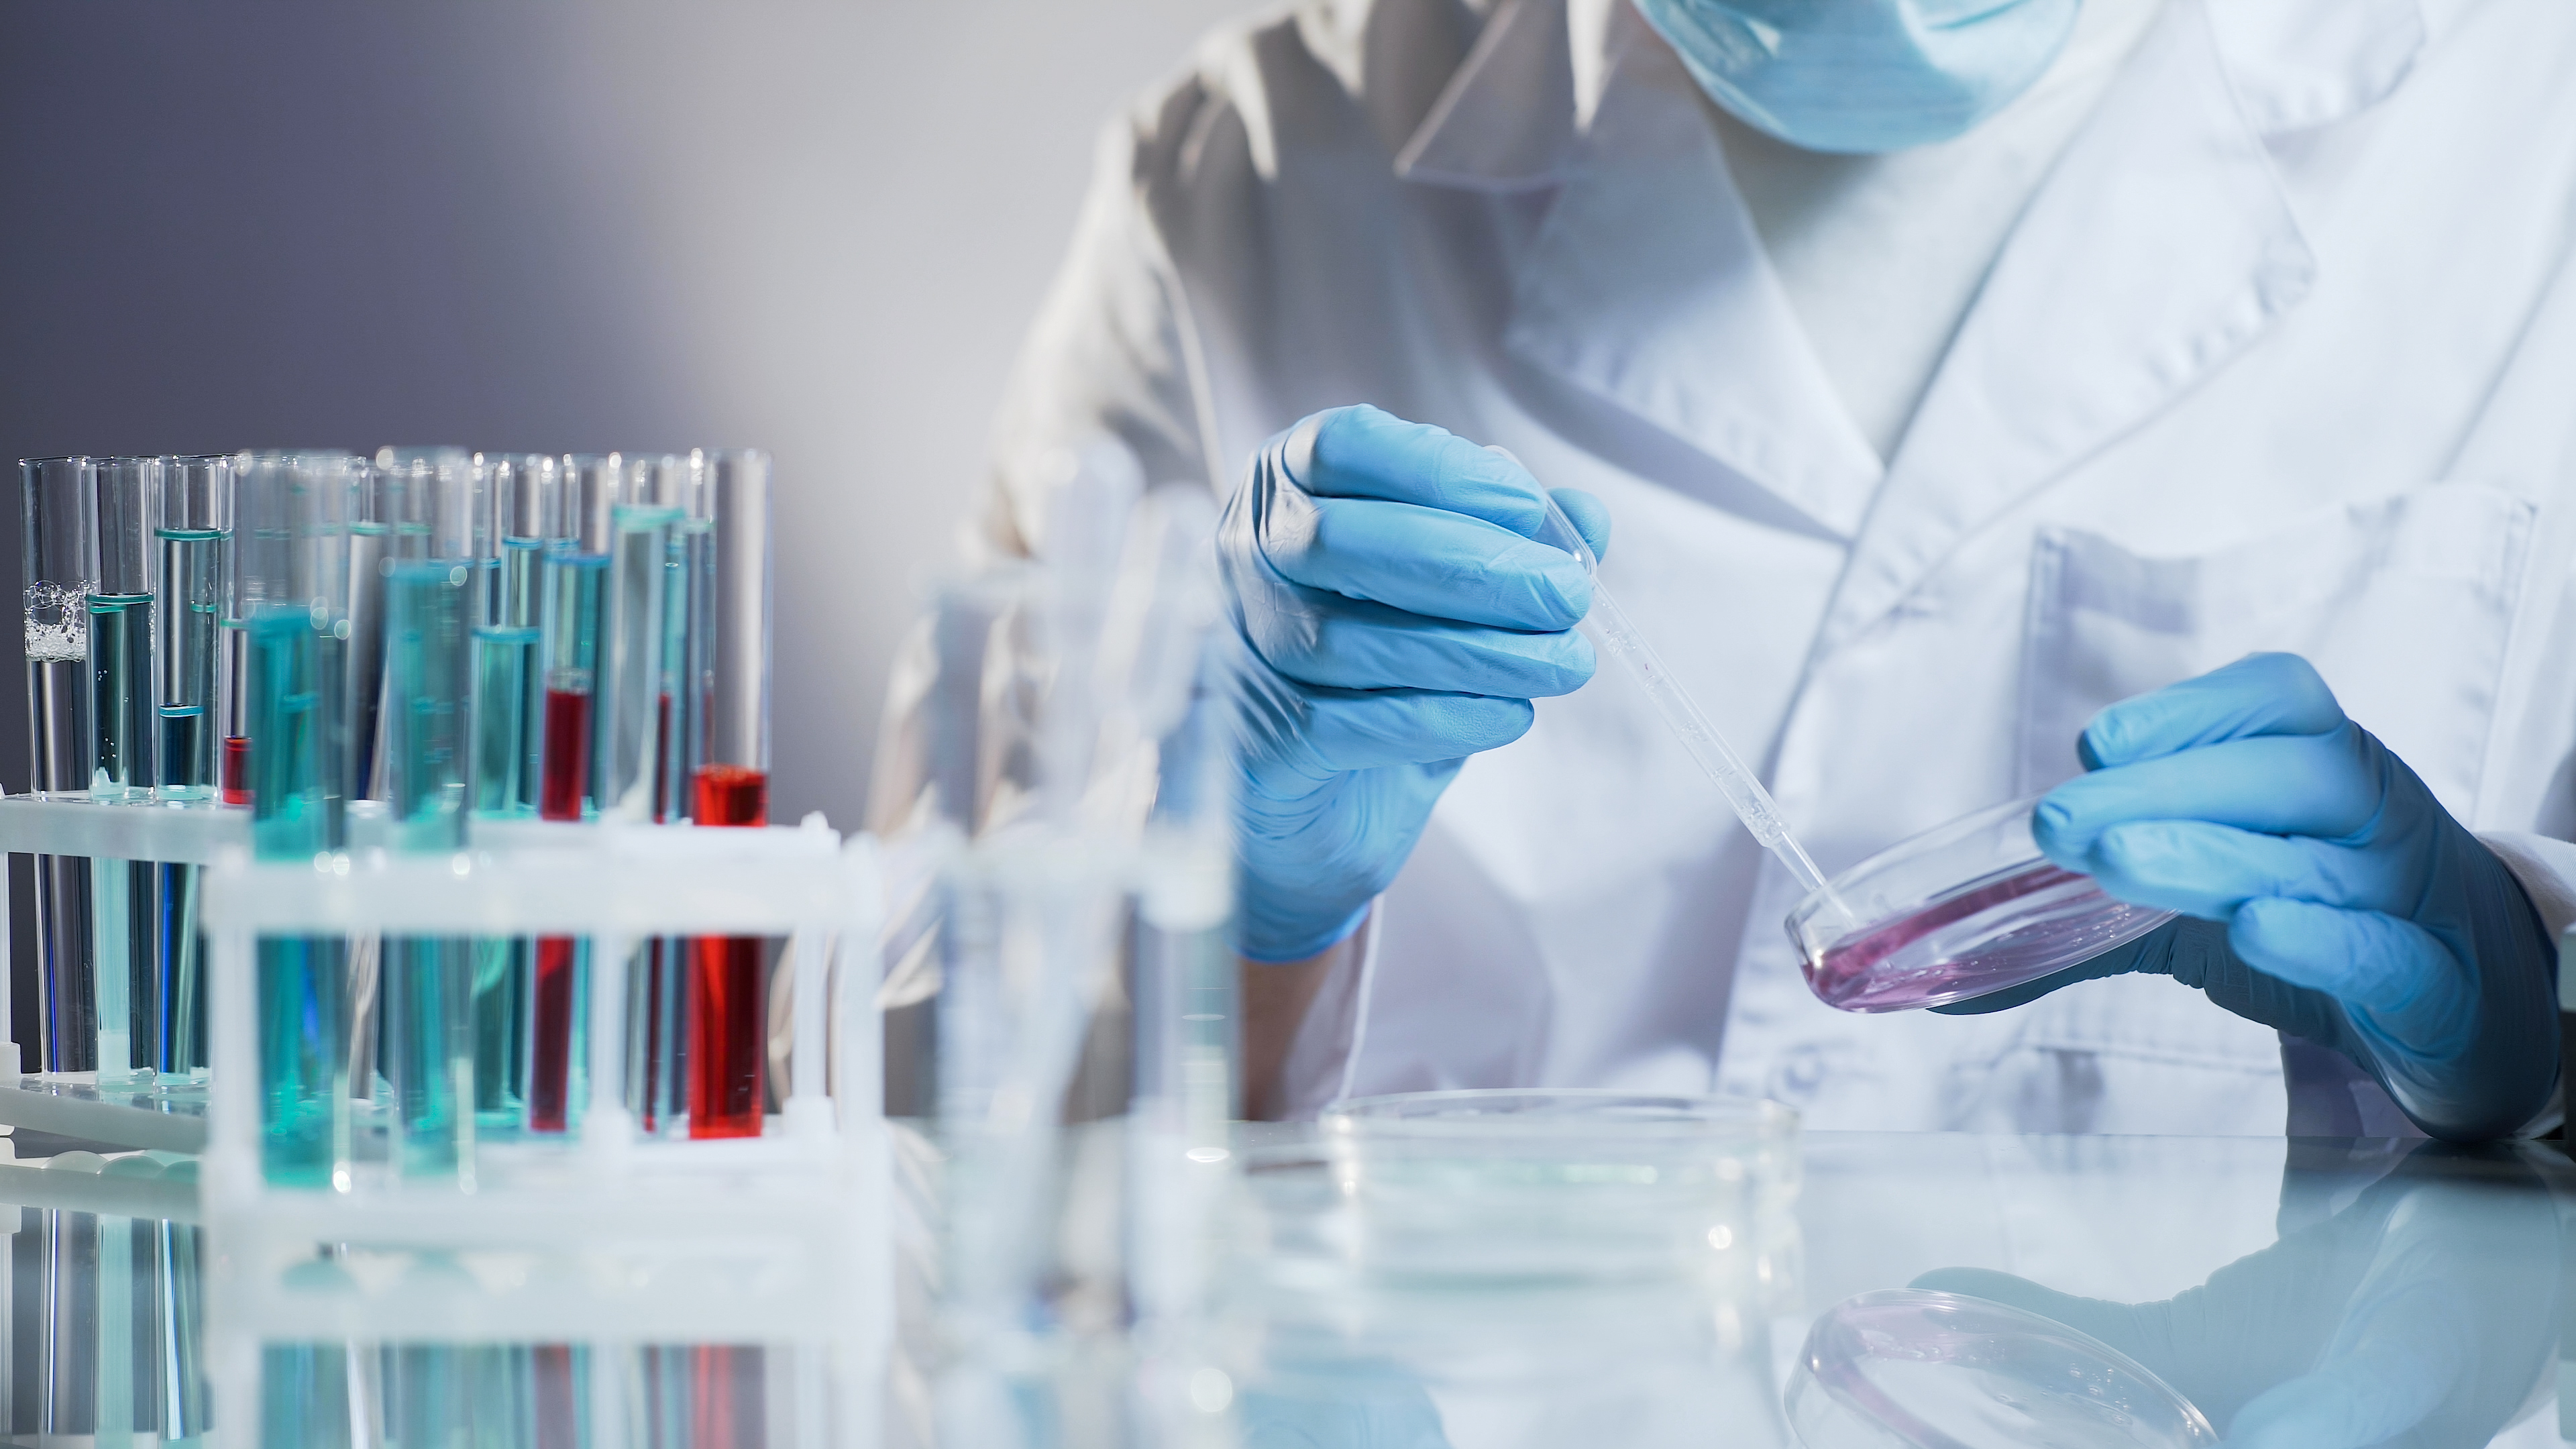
(2160, 247)
(1647, 286)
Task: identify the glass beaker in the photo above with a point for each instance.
(1961, 911)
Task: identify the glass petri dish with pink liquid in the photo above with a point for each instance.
(1963, 910)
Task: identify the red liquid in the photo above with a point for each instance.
(236, 770)
(567, 755)
(550, 1030)
(732, 795)
(728, 1006)
(1857, 975)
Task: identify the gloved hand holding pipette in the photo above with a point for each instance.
(2356, 911)
(1400, 618)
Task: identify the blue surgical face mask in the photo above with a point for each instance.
(1864, 76)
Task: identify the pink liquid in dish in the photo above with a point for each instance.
(1992, 933)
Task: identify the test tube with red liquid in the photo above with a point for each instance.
(728, 1015)
(574, 583)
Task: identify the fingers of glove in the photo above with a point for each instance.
(2330, 785)
(1588, 516)
(2396, 970)
(2260, 694)
(1361, 452)
(1428, 562)
(1359, 644)
(2207, 870)
(1361, 730)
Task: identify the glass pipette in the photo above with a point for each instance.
(1610, 632)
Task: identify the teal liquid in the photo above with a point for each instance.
(304, 992)
(294, 771)
(507, 737)
(430, 1050)
(305, 1121)
(500, 1023)
(427, 603)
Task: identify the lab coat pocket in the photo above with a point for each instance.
(2403, 603)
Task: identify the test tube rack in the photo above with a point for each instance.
(609, 1237)
(134, 1112)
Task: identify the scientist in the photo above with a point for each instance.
(1955, 371)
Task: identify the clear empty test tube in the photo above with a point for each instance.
(123, 726)
(194, 531)
(57, 498)
(291, 594)
(728, 1016)
(631, 711)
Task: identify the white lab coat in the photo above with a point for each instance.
(2280, 356)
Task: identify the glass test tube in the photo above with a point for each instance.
(678, 482)
(291, 560)
(57, 497)
(728, 1018)
(429, 1029)
(628, 691)
(194, 531)
(574, 584)
(123, 723)
(527, 519)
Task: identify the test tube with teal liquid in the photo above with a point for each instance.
(123, 726)
(429, 987)
(528, 519)
(194, 532)
(291, 594)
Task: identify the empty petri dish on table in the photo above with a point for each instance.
(1960, 911)
(1923, 1370)
(1564, 1183)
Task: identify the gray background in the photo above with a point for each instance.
(819, 228)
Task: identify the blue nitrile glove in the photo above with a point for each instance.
(1399, 619)
(2355, 911)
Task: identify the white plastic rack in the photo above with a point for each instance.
(605, 1236)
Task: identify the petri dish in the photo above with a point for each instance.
(1960, 911)
(1926, 1370)
(1565, 1184)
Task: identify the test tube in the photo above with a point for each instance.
(123, 723)
(429, 1028)
(527, 492)
(378, 504)
(291, 592)
(628, 690)
(573, 587)
(194, 531)
(678, 482)
(727, 1009)
(57, 497)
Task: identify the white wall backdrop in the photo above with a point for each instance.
(816, 226)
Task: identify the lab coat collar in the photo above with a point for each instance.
(1512, 114)
(2170, 189)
